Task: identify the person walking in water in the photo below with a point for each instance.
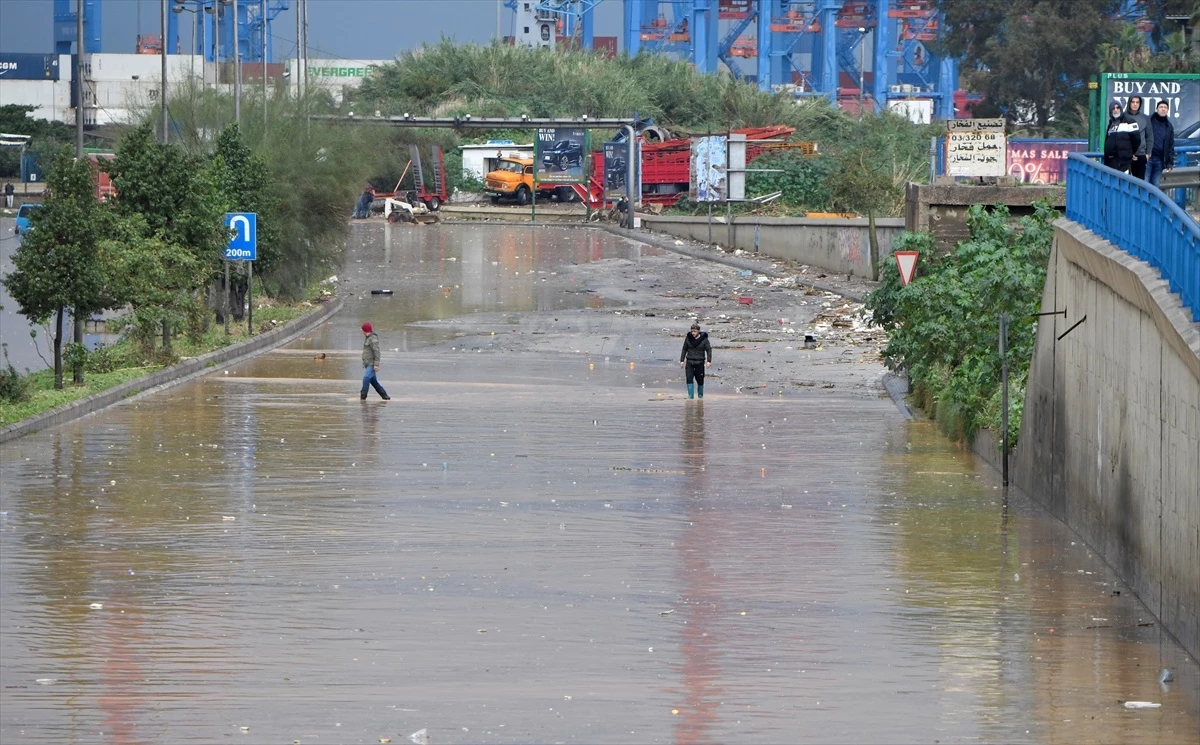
(696, 355)
(370, 360)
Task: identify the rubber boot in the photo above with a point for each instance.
(700, 391)
(691, 390)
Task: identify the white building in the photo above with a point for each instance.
(478, 160)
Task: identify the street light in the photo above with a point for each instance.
(180, 8)
(862, 67)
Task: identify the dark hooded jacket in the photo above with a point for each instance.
(1121, 142)
(696, 349)
(1164, 140)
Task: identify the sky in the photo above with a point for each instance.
(348, 29)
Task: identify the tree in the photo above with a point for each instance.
(176, 196)
(246, 182)
(862, 182)
(45, 137)
(1030, 57)
(58, 264)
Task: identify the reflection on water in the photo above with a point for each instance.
(517, 549)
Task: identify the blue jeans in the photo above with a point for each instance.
(1154, 171)
(370, 380)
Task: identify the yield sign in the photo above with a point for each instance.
(907, 261)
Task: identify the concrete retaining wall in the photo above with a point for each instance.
(173, 374)
(1110, 439)
(840, 246)
(941, 209)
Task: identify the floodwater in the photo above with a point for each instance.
(518, 549)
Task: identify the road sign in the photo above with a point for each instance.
(243, 245)
(907, 262)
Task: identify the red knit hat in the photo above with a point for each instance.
(367, 327)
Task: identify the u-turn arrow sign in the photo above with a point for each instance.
(243, 244)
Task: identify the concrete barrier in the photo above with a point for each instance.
(172, 375)
(1110, 438)
(839, 246)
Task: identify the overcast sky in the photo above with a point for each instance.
(350, 29)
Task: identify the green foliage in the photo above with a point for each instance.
(802, 180)
(1028, 56)
(58, 264)
(944, 326)
(246, 183)
(14, 387)
(46, 137)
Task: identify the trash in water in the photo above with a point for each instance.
(96, 606)
(420, 737)
(666, 612)
(745, 273)
(1166, 676)
(743, 300)
(1141, 705)
(381, 292)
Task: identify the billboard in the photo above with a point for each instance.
(1181, 91)
(616, 168)
(1041, 161)
(560, 155)
(976, 147)
(708, 174)
(28, 66)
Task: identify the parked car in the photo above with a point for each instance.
(563, 155)
(24, 212)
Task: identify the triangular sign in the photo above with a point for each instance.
(907, 262)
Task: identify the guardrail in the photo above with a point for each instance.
(1138, 218)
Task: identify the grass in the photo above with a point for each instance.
(133, 364)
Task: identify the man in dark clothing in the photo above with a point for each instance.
(370, 360)
(696, 355)
(1162, 155)
(1121, 140)
(1137, 167)
(8, 195)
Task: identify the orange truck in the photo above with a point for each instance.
(513, 179)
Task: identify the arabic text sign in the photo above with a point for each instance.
(976, 147)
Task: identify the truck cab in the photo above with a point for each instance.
(513, 179)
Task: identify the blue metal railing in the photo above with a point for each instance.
(1138, 218)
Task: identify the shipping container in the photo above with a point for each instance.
(29, 66)
(51, 98)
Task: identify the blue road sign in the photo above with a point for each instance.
(243, 246)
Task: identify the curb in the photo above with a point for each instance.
(172, 375)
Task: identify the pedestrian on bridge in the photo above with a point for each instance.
(370, 360)
(1162, 155)
(1141, 156)
(1121, 141)
(696, 355)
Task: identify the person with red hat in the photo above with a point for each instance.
(370, 359)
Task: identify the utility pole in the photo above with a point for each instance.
(299, 71)
(77, 372)
(163, 54)
(264, 65)
(237, 68)
(862, 67)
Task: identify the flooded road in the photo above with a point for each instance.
(538, 540)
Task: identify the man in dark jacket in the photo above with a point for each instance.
(1137, 167)
(696, 355)
(1162, 154)
(370, 360)
(1121, 140)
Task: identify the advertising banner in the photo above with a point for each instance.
(1041, 161)
(709, 169)
(28, 66)
(1181, 91)
(616, 168)
(560, 155)
(976, 147)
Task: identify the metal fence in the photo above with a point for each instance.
(1138, 218)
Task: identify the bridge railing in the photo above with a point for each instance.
(1138, 218)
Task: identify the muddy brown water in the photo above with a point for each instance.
(522, 548)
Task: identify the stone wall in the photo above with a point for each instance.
(839, 246)
(942, 209)
(1110, 439)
